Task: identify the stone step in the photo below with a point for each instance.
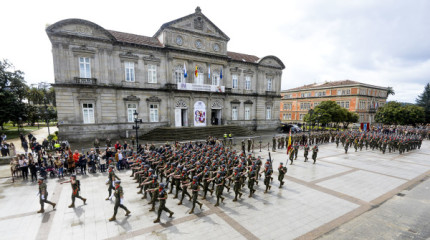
(189, 133)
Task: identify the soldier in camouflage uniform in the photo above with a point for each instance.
(76, 187)
(119, 201)
(111, 180)
(43, 195)
(314, 153)
(162, 197)
(282, 171)
(306, 152)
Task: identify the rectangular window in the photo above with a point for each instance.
(347, 104)
(316, 104)
(247, 83)
(305, 106)
(287, 96)
(84, 67)
(131, 108)
(269, 84)
(152, 74)
(302, 116)
(319, 94)
(304, 95)
(339, 92)
(287, 106)
(215, 79)
(234, 113)
(268, 113)
(234, 81)
(153, 113)
(179, 75)
(289, 116)
(129, 71)
(247, 113)
(88, 112)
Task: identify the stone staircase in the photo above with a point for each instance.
(190, 133)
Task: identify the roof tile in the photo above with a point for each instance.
(243, 57)
(136, 39)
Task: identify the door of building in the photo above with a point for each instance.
(216, 117)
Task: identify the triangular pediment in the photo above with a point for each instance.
(197, 23)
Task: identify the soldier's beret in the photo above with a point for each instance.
(117, 181)
(40, 178)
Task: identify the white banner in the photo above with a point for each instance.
(200, 87)
(199, 114)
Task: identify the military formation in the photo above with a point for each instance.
(382, 141)
(190, 172)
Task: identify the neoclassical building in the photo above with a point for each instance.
(183, 76)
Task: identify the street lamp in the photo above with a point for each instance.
(136, 126)
(19, 123)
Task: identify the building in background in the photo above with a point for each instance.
(363, 99)
(183, 76)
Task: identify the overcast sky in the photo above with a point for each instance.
(384, 42)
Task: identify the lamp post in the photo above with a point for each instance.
(19, 123)
(46, 115)
(136, 126)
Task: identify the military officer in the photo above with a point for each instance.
(43, 194)
(119, 200)
(76, 187)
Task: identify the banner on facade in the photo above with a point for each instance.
(199, 114)
(200, 87)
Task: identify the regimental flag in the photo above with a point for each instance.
(220, 74)
(209, 72)
(185, 71)
(289, 143)
(196, 72)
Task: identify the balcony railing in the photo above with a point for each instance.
(86, 81)
(271, 93)
(372, 110)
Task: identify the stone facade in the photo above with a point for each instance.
(363, 99)
(102, 76)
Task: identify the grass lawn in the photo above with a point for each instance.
(12, 132)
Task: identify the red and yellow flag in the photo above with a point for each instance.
(196, 72)
(289, 143)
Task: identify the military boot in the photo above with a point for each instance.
(112, 218)
(72, 205)
(157, 220)
(171, 214)
(41, 211)
(127, 213)
(85, 201)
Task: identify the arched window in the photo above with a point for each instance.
(179, 74)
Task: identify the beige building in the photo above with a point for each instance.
(102, 77)
(363, 99)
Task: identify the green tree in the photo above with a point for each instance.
(329, 112)
(350, 117)
(423, 100)
(390, 91)
(396, 113)
(12, 91)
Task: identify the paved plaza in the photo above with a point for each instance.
(314, 200)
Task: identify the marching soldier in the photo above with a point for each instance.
(252, 176)
(314, 153)
(282, 171)
(185, 182)
(236, 187)
(249, 144)
(273, 144)
(76, 187)
(306, 150)
(219, 181)
(111, 179)
(296, 149)
(119, 201)
(267, 176)
(162, 196)
(291, 155)
(195, 189)
(43, 194)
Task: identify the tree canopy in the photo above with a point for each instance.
(331, 112)
(396, 113)
(423, 100)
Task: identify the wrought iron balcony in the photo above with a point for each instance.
(171, 86)
(86, 81)
(270, 93)
(372, 110)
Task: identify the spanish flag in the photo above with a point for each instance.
(196, 72)
(289, 143)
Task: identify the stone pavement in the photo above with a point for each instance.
(314, 200)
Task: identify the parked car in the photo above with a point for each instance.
(285, 128)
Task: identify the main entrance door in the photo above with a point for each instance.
(216, 117)
(181, 117)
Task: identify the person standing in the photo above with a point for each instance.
(43, 194)
(12, 150)
(23, 164)
(110, 181)
(76, 187)
(119, 201)
(162, 196)
(33, 170)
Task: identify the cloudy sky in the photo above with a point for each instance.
(384, 42)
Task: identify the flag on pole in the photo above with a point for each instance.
(185, 71)
(209, 72)
(196, 72)
(220, 74)
(289, 143)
